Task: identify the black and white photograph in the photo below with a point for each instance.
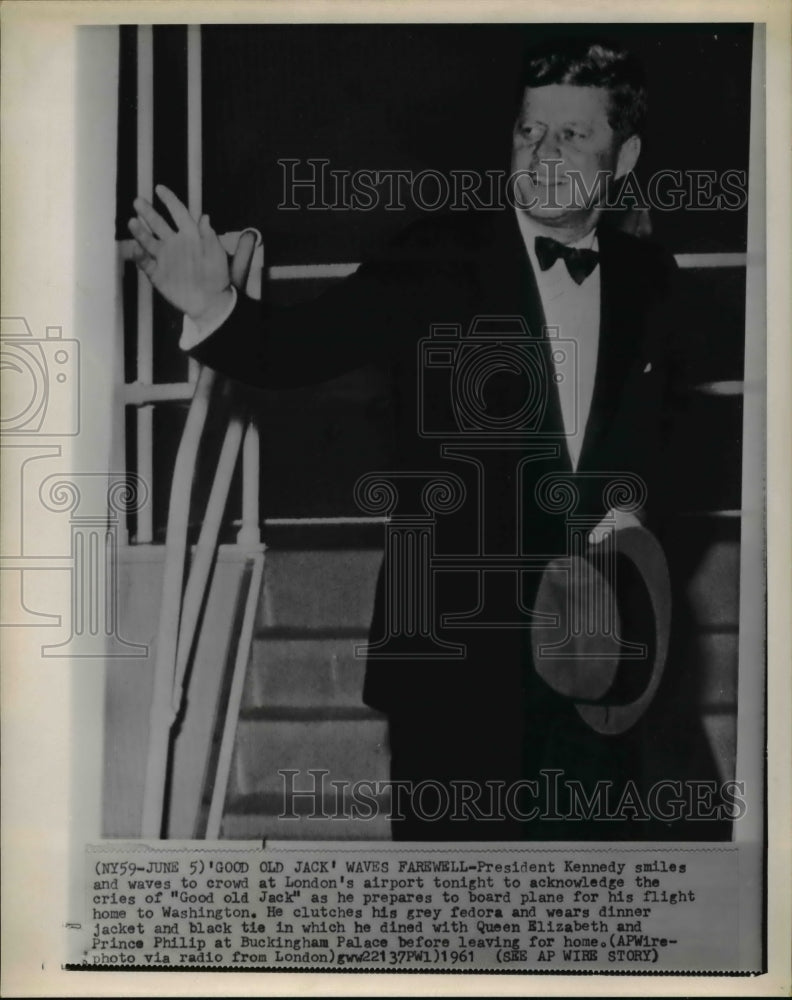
(497, 482)
(395, 496)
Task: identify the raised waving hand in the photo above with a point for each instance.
(184, 259)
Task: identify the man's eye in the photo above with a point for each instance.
(530, 131)
(574, 135)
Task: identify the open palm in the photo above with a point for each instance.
(185, 262)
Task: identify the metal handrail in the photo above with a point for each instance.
(181, 605)
(206, 548)
(162, 714)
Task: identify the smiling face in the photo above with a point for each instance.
(563, 130)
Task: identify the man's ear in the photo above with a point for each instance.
(628, 156)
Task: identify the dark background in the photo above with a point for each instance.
(441, 97)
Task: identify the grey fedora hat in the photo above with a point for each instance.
(605, 624)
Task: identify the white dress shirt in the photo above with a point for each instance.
(572, 316)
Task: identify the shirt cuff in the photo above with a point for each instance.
(194, 333)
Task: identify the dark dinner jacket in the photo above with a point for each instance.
(451, 270)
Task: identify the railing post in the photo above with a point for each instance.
(145, 189)
(194, 140)
(204, 554)
(162, 713)
(249, 534)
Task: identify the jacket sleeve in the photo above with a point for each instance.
(359, 321)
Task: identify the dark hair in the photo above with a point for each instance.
(593, 63)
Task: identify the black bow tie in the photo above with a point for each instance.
(580, 263)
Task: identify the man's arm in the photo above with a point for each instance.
(358, 321)
(354, 323)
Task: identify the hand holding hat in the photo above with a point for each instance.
(607, 618)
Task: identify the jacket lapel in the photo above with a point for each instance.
(505, 280)
(506, 286)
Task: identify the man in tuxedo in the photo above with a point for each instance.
(485, 718)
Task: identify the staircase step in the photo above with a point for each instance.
(716, 665)
(704, 552)
(304, 672)
(321, 589)
(309, 713)
(350, 748)
(714, 589)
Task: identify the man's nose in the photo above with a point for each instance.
(548, 146)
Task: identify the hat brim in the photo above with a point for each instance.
(582, 653)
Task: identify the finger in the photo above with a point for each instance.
(145, 239)
(177, 209)
(136, 252)
(147, 265)
(243, 259)
(143, 261)
(205, 227)
(152, 218)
